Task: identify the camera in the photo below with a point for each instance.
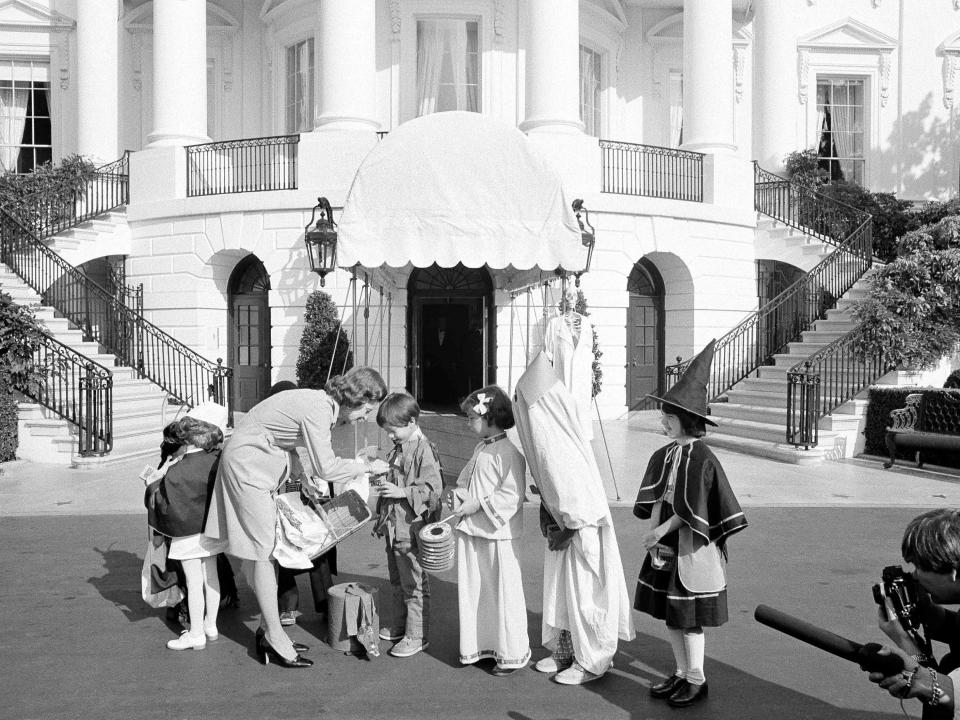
(904, 591)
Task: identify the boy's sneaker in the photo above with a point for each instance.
(288, 618)
(550, 664)
(576, 674)
(391, 634)
(409, 646)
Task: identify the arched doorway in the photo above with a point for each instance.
(451, 343)
(645, 330)
(248, 332)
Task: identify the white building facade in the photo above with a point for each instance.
(871, 84)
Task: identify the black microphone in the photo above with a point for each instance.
(863, 655)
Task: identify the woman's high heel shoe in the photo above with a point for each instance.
(299, 647)
(266, 653)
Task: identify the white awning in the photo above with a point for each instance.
(458, 187)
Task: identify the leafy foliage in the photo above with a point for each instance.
(802, 166)
(59, 184)
(19, 338)
(319, 339)
(581, 307)
(912, 316)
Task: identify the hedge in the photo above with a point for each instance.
(882, 400)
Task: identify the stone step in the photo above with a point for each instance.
(755, 398)
(761, 448)
(821, 337)
(767, 414)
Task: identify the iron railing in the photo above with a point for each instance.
(809, 211)
(767, 331)
(187, 376)
(827, 379)
(54, 210)
(76, 389)
(247, 165)
(651, 171)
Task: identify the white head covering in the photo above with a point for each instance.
(561, 461)
(212, 413)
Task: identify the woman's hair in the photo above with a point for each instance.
(931, 541)
(281, 387)
(357, 386)
(200, 433)
(498, 408)
(692, 425)
(397, 410)
(172, 440)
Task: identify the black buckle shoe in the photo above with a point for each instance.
(687, 695)
(666, 688)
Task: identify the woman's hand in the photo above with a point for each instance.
(377, 466)
(468, 507)
(389, 490)
(893, 628)
(898, 684)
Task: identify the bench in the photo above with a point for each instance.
(930, 421)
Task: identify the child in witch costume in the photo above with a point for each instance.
(685, 491)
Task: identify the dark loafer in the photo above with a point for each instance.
(665, 689)
(503, 672)
(687, 695)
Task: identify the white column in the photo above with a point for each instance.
(97, 89)
(179, 72)
(774, 82)
(708, 76)
(347, 65)
(553, 67)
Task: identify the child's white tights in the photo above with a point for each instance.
(203, 594)
(688, 650)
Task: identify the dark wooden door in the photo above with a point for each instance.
(645, 331)
(249, 334)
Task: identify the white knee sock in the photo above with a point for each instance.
(694, 644)
(679, 651)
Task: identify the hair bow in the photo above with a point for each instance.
(482, 402)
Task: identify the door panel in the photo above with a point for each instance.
(251, 349)
(643, 349)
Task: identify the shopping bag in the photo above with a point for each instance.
(158, 587)
(301, 532)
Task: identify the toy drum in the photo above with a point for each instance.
(436, 547)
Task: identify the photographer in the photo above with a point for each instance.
(931, 543)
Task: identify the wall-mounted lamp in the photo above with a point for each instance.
(321, 240)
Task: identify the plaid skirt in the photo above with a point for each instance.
(661, 594)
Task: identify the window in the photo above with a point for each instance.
(590, 90)
(840, 119)
(299, 102)
(25, 134)
(448, 66)
(675, 88)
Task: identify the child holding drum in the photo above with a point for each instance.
(409, 497)
(488, 498)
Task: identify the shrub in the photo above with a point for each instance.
(19, 338)
(581, 307)
(320, 336)
(912, 316)
(59, 183)
(892, 218)
(803, 167)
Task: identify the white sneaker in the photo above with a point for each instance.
(576, 674)
(549, 665)
(187, 642)
(288, 618)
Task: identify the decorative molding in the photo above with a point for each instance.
(395, 16)
(804, 60)
(951, 71)
(886, 62)
(64, 48)
(228, 62)
(137, 58)
(739, 65)
(876, 3)
(498, 18)
(848, 35)
(618, 60)
(956, 4)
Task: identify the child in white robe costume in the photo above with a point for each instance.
(584, 590)
(488, 497)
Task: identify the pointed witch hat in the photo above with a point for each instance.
(690, 392)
